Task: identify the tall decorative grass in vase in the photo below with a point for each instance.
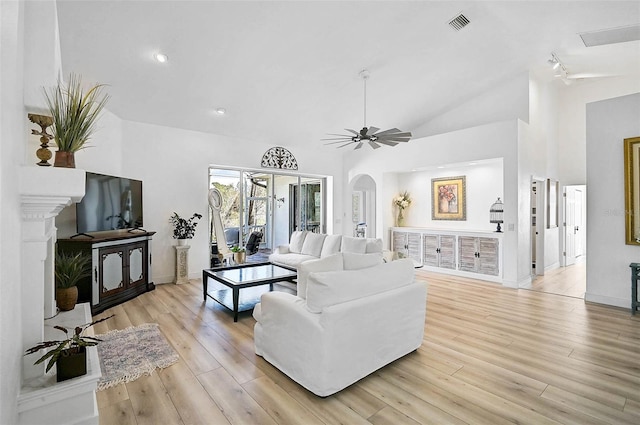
(74, 114)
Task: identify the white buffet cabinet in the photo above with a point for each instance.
(473, 254)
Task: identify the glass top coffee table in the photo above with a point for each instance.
(233, 279)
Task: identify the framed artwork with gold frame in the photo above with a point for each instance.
(632, 190)
(449, 198)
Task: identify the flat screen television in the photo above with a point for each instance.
(109, 203)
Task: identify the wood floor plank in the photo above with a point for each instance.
(330, 410)
(279, 404)
(120, 413)
(390, 416)
(190, 350)
(236, 404)
(193, 403)
(111, 396)
(151, 402)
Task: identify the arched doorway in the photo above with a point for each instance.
(363, 205)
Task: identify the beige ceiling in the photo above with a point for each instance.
(287, 72)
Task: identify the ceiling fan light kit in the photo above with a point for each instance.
(371, 135)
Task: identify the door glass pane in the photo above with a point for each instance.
(228, 183)
(311, 205)
(257, 187)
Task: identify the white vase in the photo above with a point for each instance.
(182, 242)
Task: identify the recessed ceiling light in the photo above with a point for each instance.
(161, 57)
(440, 166)
(473, 163)
(221, 111)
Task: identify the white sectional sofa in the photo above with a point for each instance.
(304, 246)
(345, 323)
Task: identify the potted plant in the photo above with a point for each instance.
(69, 355)
(239, 254)
(69, 270)
(74, 113)
(184, 228)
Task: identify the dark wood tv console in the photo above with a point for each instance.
(120, 266)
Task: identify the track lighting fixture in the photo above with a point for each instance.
(559, 69)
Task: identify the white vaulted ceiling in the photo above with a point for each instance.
(287, 72)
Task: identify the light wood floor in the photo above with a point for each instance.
(490, 356)
(570, 281)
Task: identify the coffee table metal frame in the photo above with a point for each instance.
(218, 275)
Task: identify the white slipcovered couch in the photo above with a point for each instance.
(304, 246)
(345, 323)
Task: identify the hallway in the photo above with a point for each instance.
(569, 281)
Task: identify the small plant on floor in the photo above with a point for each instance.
(237, 249)
(183, 228)
(70, 345)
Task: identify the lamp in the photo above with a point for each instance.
(496, 214)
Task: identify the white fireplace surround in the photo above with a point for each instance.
(44, 192)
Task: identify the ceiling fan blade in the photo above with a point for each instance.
(358, 146)
(391, 130)
(341, 135)
(338, 138)
(394, 139)
(386, 142)
(339, 141)
(372, 130)
(346, 144)
(373, 144)
(352, 131)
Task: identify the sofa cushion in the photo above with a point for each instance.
(330, 263)
(325, 289)
(357, 245)
(312, 244)
(331, 245)
(373, 245)
(291, 259)
(353, 261)
(296, 241)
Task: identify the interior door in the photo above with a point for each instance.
(570, 228)
(579, 224)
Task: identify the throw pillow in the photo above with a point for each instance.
(357, 245)
(373, 245)
(331, 245)
(332, 262)
(325, 289)
(312, 244)
(297, 239)
(354, 261)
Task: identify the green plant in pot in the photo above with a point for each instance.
(74, 113)
(184, 228)
(70, 268)
(69, 354)
(239, 254)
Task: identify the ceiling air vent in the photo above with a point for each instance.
(459, 22)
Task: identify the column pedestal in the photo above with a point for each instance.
(182, 264)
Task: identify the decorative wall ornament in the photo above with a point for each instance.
(449, 198)
(43, 154)
(279, 157)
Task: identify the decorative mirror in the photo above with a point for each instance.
(632, 190)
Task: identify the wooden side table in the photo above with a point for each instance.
(635, 275)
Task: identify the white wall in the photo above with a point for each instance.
(12, 137)
(572, 119)
(484, 184)
(508, 100)
(609, 122)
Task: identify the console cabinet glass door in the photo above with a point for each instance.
(111, 271)
(137, 264)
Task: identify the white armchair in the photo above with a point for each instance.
(351, 323)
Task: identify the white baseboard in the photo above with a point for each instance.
(602, 299)
(525, 283)
(552, 267)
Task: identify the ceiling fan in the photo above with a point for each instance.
(371, 135)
